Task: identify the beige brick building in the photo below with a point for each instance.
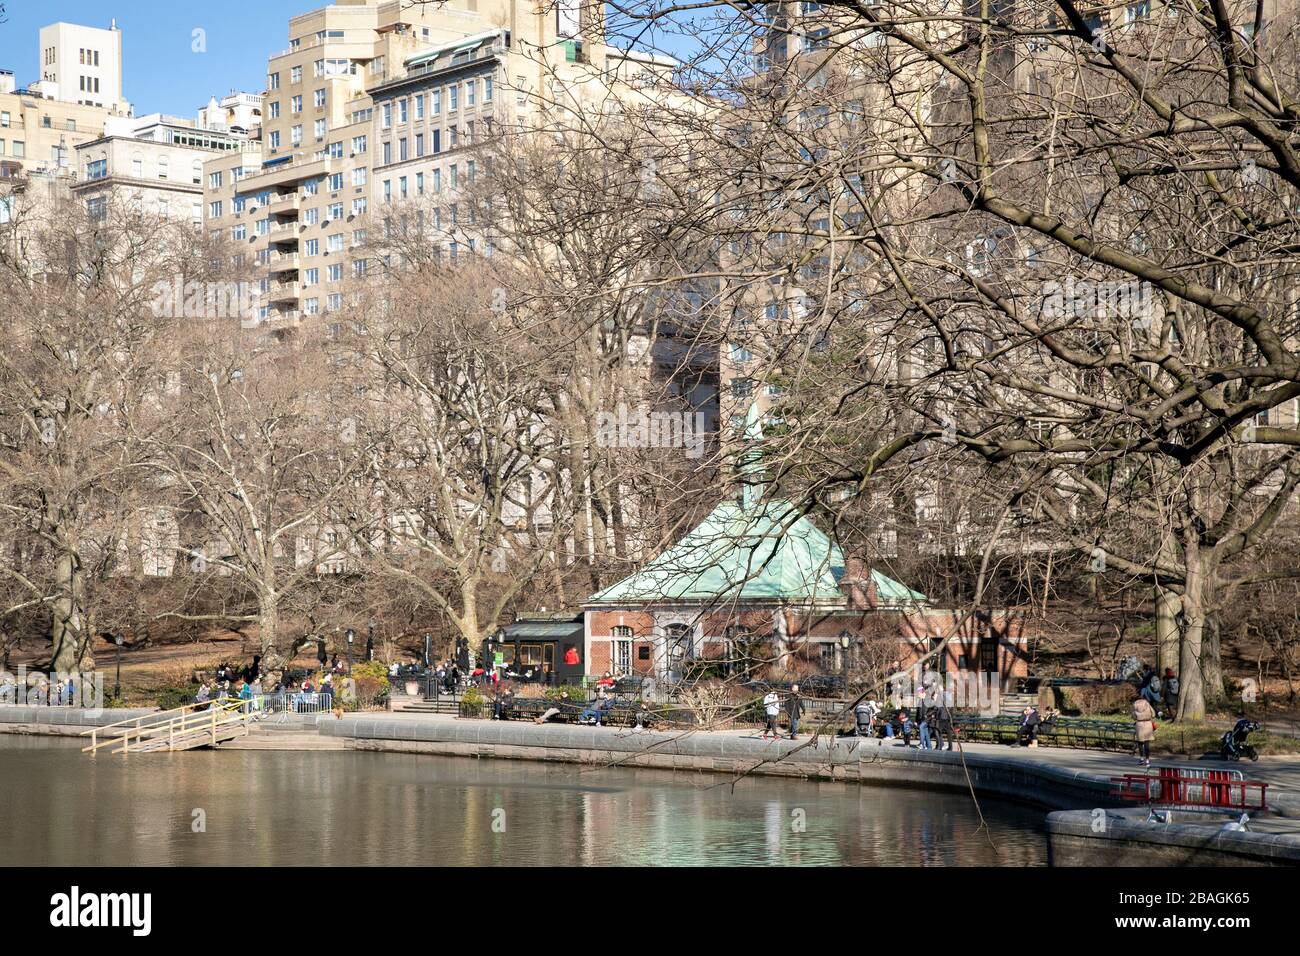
(154, 165)
(373, 101)
(38, 133)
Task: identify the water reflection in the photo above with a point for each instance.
(63, 807)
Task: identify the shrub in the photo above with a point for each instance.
(371, 681)
(473, 697)
(170, 698)
(577, 695)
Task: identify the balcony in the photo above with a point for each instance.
(284, 262)
(297, 169)
(283, 204)
(284, 292)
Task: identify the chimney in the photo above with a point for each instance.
(857, 584)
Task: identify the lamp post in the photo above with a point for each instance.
(351, 636)
(846, 639)
(117, 680)
(428, 671)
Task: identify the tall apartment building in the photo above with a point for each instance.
(81, 64)
(349, 107)
(153, 164)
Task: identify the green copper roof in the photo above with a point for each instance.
(767, 554)
(890, 593)
(762, 550)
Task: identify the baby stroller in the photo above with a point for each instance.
(864, 718)
(1234, 745)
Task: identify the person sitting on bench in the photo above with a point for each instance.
(1027, 735)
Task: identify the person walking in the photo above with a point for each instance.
(772, 707)
(1144, 728)
(794, 710)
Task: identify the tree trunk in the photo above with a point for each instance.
(69, 640)
(1167, 606)
(1212, 655)
(274, 658)
(1193, 675)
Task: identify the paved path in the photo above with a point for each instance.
(1281, 772)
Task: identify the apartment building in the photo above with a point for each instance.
(81, 64)
(154, 165)
(327, 156)
(39, 134)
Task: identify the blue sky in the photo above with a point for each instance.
(160, 71)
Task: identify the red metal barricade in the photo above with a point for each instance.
(1192, 787)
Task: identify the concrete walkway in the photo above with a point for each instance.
(1281, 772)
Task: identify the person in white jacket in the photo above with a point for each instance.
(772, 706)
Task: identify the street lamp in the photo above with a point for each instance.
(351, 636)
(117, 681)
(846, 640)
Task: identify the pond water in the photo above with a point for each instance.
(264, 808)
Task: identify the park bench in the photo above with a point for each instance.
(1078, 732)
(617, 712)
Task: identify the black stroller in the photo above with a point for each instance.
(1234, 745)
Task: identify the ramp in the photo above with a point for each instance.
(183, 728)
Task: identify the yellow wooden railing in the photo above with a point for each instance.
(190, 724)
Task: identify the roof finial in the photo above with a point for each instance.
(751, 460)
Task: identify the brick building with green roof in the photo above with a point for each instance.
(757, 579)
